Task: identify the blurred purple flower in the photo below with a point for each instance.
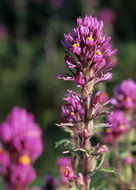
(107, 139)
(4, 161)
(107, 15)
(21, 135)
(50, 183)
(113, 59)
(128, 160)
(63, 161)
(64, 180)
(19, 176)
(119, 125)
(125, 94)
(4, 157)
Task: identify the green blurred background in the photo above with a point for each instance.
(31, 55)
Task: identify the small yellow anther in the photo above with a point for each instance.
(99, 52)
(122, 127)
(108, 130)
(102, 38)
(1, 151)
(128, 99)
(90, 38)
(72, 113)
(75, 45)
(24, 160)
(66, 172)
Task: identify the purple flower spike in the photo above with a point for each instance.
(92, 49)
(125, 94)
(88, 53)
(22, 140)
(21, 134)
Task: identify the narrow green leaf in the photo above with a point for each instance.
(61, 142)
(101, 162)
(108, 170)
(101, 125)
(69, 131)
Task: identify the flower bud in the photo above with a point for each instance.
(92, 164)
(102, 149)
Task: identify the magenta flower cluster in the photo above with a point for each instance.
(125, 94)
(21, 138)
(92, 48)
(124, 102)
(122, 121)
(88, 52)
(119, 125)
(65, 170)
(66, 174)
(91, 66)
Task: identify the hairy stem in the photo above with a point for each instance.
(74, 163)
(85, 172)
(86, 146)
(86, 91)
